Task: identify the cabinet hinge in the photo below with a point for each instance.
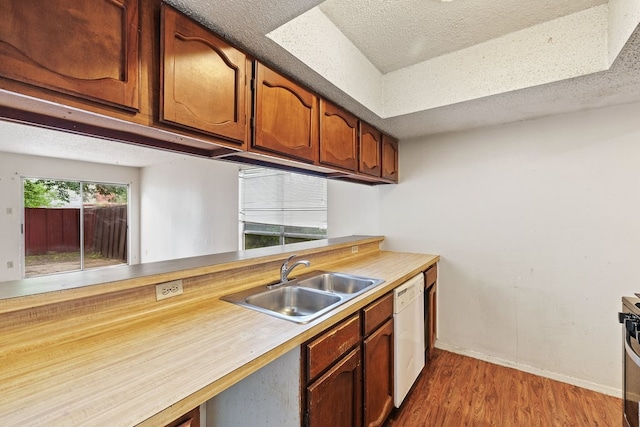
(253, 85)
(253, 122)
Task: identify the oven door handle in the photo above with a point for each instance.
(630, 351)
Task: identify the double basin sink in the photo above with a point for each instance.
(305, 298)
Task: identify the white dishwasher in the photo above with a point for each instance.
(408, 329)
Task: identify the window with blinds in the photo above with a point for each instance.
(278, 207)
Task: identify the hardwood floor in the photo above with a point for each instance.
(460, 391)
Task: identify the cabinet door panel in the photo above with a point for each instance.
(431, 321)
(389, 158)
(87, 48)
(204, 83)
(378, 375)
(338, 137)
(370, 143)
(286, 117)
(335, 398)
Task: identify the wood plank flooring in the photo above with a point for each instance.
(462, 391)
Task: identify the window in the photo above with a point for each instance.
(73, 225)
(278, 207)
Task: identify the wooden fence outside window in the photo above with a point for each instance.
(56, 230)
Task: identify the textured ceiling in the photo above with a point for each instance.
(395, 34)
(246, 23)
(618, 85)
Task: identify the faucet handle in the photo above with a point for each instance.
(286, 263)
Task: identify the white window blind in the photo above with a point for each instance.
(275, 197)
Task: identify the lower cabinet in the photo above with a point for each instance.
(190, 419)
(349, 370)
(335, 399)
(430, 327)
(378, 360)
(378, 377)
(343, 377)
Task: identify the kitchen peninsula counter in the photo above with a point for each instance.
(111, 354)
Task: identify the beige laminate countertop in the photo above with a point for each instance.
(152, 368)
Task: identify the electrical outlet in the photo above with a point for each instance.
(168, 289)
(354, 249)
(9, 264)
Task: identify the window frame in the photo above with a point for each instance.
(284, 232)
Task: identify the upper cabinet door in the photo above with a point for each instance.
(338, 137)
(389, 158)
(203, 78)
(370, 144)
(88, 48)
(286, 117)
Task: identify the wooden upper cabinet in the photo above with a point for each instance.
(286, 117)
(370, 146)
(87, 48)
(338, 137)
(389, 158)
(203, 79)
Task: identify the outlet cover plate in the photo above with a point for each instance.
(168, 289)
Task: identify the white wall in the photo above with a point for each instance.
(14, 166)
(189, 207)
(352, 209)
(538, 226)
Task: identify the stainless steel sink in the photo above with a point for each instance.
(291, 301)
(339, 283)
(305, 298)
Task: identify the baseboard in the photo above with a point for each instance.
(611, 391)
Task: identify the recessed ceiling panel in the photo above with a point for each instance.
(395, 34)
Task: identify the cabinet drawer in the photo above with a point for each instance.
(376, 313)
(430, 276)
(190, 419)
(328, 347)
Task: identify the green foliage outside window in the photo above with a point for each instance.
(47, 193)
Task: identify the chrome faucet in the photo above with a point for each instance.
(286, 269)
